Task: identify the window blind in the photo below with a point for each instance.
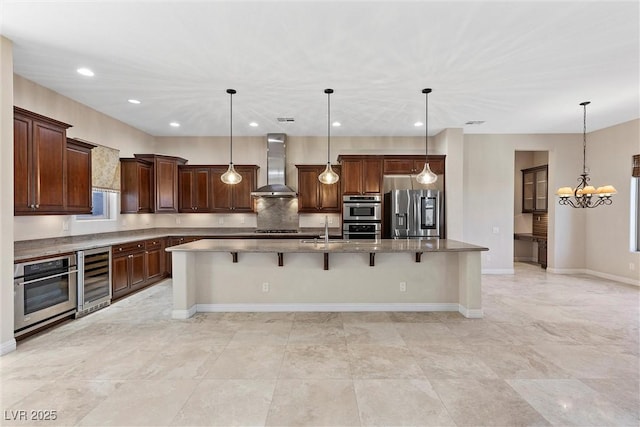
(105, 168)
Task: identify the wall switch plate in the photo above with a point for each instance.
(265, 287)
(403, 286)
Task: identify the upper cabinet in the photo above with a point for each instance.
(535, 189)
(78, 176)
(361, 174)
(194, 189)
(314, 196)
(136, 186)
(164, 181)
(411, 164)
(51, 175)
(234, 198)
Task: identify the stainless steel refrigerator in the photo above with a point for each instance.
(414, 214)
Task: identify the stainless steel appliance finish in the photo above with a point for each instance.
(276, 168)
(362, 208)
(362, 217)
(44, 291)
(414, 214)
(94, 280)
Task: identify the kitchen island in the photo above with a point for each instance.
(315, 275)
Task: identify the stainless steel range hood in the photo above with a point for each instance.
(276, 164)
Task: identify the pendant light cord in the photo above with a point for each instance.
(230, 127)
(426, 127)
(584, 139)
(328, 127)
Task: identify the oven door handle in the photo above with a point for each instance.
(66, 273)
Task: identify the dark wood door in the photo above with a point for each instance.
(330, 195)
(49, 149)
(400, 166)
(166, 175)
(144, 188)
(186, 185)
(371, 176)
(22, 180)
(308, 197)
(242, 200)
(138, 272)
(78, 177)
(351, 177)
(120, 275)
(155, 262)
(222, 193)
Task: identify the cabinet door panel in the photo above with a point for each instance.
(155, 263)
(49, 151)
(186, 183)
(166, 185)
(120, 275)
(242, 200)
(78, 180)
(221, 192)
(201, 193)
(351, 177)
(372, 177)
(308, 190)
(21, 178)
(138, 268)
(399, 166)
(144, 190)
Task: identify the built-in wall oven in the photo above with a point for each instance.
(362, 217)
(94, 280)
(44, 292)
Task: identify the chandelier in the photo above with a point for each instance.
(583, 195)
(328, 176)
(231, 176)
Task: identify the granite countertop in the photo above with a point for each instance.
(54, 246)
(309, 246)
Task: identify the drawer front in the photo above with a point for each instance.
(127, 248)
(153, 244)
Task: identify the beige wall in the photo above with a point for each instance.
(7, 342)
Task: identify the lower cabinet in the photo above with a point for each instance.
(136, 265)
(173, 241)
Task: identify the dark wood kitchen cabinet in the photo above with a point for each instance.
(314, 196)
(361, 174)
(411, 164)
(40, 153)
(136, 186)
(78, 177)
(535, 189)
(164, 181)
(136, 265)
(194, 189)
(233, 198)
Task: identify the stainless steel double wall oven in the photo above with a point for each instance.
(362, 217)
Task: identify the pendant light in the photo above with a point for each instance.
(582, 195)
(231, 176)
(328, 176)
(426, 176)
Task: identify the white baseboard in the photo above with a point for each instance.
(497, 271)
(8, 346)
(184, 314)
(473, 313)
(600, 274)
(215, 308)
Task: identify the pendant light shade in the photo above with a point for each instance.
(328, 176)
(231, 176)
(426, 176)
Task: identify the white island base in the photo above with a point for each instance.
(232, 276)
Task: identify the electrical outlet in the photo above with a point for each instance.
(330, 220)
(403, 286)
(242, 219)
(65, 225)
(177, 220)
(632, 266)
(265, 287)
(496, 230)
(220, 220)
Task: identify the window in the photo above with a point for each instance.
(103, 206)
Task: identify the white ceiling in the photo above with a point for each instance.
(523, 67)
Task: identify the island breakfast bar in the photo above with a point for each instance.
(227, 275)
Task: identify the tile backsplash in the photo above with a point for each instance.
(277, 213)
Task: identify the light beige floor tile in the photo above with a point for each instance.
(624, 392)
(318, 317)
(246, 362)
(519, 361)
(424, 316)
(317, 333)
(12, 391)
(400, 403)
(314, 403)
(426, 333)
(179, 362)
(307, 361)
(448, 361)
(472, 402)
(64, 403)
(481, 332)
(261, 333)
(372, 333)
(141, 403)
(227, 403)
(115, 363)
(365, 317)
(382, 361)
(570, 402)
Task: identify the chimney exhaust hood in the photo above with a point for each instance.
(276, 164)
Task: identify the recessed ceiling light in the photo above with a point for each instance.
(418, 124)
(336, 124)
(85, 72)
(174, 124)
(134, 101)
(253, 124)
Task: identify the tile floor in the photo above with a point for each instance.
(551, 350)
